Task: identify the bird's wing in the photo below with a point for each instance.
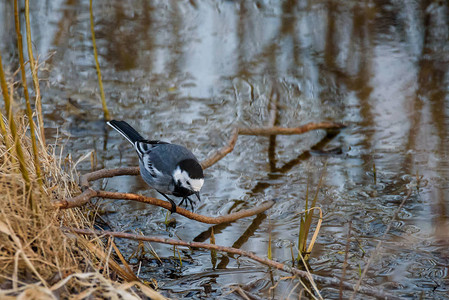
(145, 146)
(165, 157)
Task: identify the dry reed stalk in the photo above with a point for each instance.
(97, 65)
(306, 222)
(3, 131)
(95, 286)
(315, 233)
(26, 95)
(105, 257)
(12, 127)
(33, 66)
(128, 268)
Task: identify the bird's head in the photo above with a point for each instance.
(188, 177)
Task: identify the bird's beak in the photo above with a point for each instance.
(198, 196)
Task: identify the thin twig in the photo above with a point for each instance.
(345, 263)
(211, 160)
(265, 261)
(376, 250)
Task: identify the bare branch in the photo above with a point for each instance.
(107, 173)
(211, 160)
(77, 201)
(303, 274)
(88, 193)
(267, 131)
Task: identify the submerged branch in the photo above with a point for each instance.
(303, 274)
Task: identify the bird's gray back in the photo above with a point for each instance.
(165, 157)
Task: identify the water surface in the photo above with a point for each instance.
(189, 72)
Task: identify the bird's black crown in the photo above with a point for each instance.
(192, 167)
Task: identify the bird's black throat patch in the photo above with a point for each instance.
(179, 191)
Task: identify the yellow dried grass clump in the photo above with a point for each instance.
(37, 260)
(32, 245)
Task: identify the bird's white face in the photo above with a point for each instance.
(183, 177)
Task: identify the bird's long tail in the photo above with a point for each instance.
(126, 130)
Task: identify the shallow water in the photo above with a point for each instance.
(188, 72)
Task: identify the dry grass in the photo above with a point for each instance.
(37, 260)
(34, 235)
(33, 248)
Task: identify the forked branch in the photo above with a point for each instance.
(88, 193)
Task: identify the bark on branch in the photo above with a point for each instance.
(276, 130)
(280, 266)
(89, 193)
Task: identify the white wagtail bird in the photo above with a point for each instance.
(168, 168)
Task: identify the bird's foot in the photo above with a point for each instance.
(187, 199)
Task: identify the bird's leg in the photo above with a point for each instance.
(182, 201)
(173, 204)
(187, 199)
(191, 203)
